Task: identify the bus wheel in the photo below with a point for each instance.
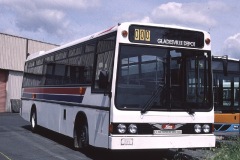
(33, 121)
(83, 137)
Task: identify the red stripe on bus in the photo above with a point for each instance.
(79, 90)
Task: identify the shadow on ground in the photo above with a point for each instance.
(104, 154)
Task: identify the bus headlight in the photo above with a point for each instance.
(121, 128)
(132, 128)
(206, 128)
(197, 128)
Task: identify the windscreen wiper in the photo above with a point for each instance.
(190, 111)
(150, 103)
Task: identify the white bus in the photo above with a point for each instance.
(133, 86)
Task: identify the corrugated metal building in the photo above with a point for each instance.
(13, 53)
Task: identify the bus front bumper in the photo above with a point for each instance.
(161, 142)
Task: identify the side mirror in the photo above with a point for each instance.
(103, 79)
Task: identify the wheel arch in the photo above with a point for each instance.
(80, 119)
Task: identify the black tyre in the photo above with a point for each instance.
(33, 121)
(82, 137)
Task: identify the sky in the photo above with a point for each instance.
(62, 21)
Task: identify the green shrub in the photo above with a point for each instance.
(229, 150)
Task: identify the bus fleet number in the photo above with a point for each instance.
(142, 35)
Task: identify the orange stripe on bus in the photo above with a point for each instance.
(227, 118)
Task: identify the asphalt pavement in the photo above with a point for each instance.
(17, 142)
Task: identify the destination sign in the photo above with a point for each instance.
(166, 36)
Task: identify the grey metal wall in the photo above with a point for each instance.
(14, 85)
(36, 46)
(13, 52)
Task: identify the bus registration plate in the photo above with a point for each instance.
(126, 141)
(167, 132)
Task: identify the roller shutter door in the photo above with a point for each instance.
(3, 80)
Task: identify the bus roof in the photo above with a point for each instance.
(223, 57)
(41, 53)
(103, 32)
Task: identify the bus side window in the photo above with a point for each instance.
(77, 74)
(102, 66)
(48, 74)
(104, 63)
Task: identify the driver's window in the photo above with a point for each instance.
(104, 61)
